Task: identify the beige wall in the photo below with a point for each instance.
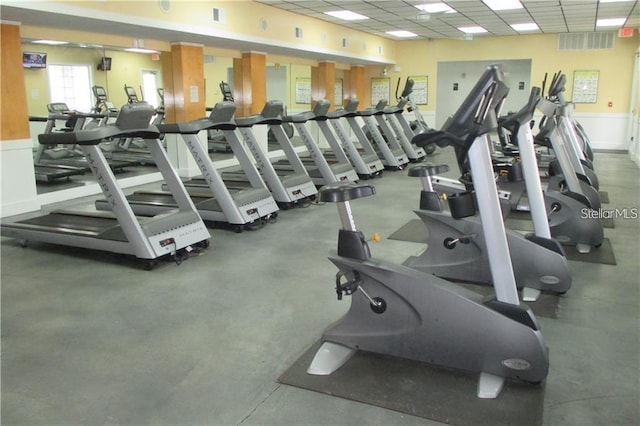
(615, 65)
(243, 18)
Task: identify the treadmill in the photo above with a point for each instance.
(288, 188)
(120, 231)
(129, 149)
(248, 208)
(74, 121)
(366, 165)
(402, 130)
(320, 169)
(392, 158)
(46, 173)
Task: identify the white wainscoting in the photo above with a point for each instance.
(634, 138)
(606, 131)
(18, 180)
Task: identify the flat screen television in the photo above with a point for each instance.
(34, 60)
(104, 64)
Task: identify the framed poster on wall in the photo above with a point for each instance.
(420, 94)
(380, 89)
(303, 90)
(585, 87)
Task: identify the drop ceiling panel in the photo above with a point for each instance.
(549, 15)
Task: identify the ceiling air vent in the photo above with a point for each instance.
(209, 59)
(586, 41)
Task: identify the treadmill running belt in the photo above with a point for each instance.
(68, 223)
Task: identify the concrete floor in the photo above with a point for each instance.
(90, 338)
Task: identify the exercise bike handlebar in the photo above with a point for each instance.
(476, 116)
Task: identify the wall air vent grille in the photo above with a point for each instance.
(219, 15)
(586, 41)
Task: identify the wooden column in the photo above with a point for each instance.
(17, 177)
(187, 68)
(253, 89)
(356, 84)
(14, 115)
(183, 76)
(323, 82)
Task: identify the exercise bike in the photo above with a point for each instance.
(399, 311)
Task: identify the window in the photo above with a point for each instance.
(150, 87)
(71, 84)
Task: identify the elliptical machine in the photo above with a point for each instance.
(403, 312)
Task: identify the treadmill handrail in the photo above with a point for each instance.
(128, 124)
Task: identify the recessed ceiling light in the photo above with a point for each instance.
(610, 22)
(472, 30)
(435, 8)
(503, 4)
(139, 50)
(402, 33)
(529, 26)
(51, 42)
(347, 15)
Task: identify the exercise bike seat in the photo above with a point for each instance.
(345, 191)
(428, 169)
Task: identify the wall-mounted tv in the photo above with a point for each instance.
(34, 60)
(104, 64)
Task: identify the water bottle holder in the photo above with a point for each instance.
(462, 204)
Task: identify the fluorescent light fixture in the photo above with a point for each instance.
(139, 50)
(503, 4)
(472, 30)
(346, 15)
(611, 22)
(615, 1)
(51, 42)
(402, 33)
(435, 8)
(528, 26)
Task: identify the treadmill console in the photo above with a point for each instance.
(272, 109)
(222, 112)
(135, 116)
(352, 105)
(321, 108)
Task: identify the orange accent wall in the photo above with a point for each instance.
(254, 82)
(188, 82)
(14, 115)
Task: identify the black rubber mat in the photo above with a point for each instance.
(420, 390)
(603, 254)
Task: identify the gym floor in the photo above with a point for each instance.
(91, 338)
